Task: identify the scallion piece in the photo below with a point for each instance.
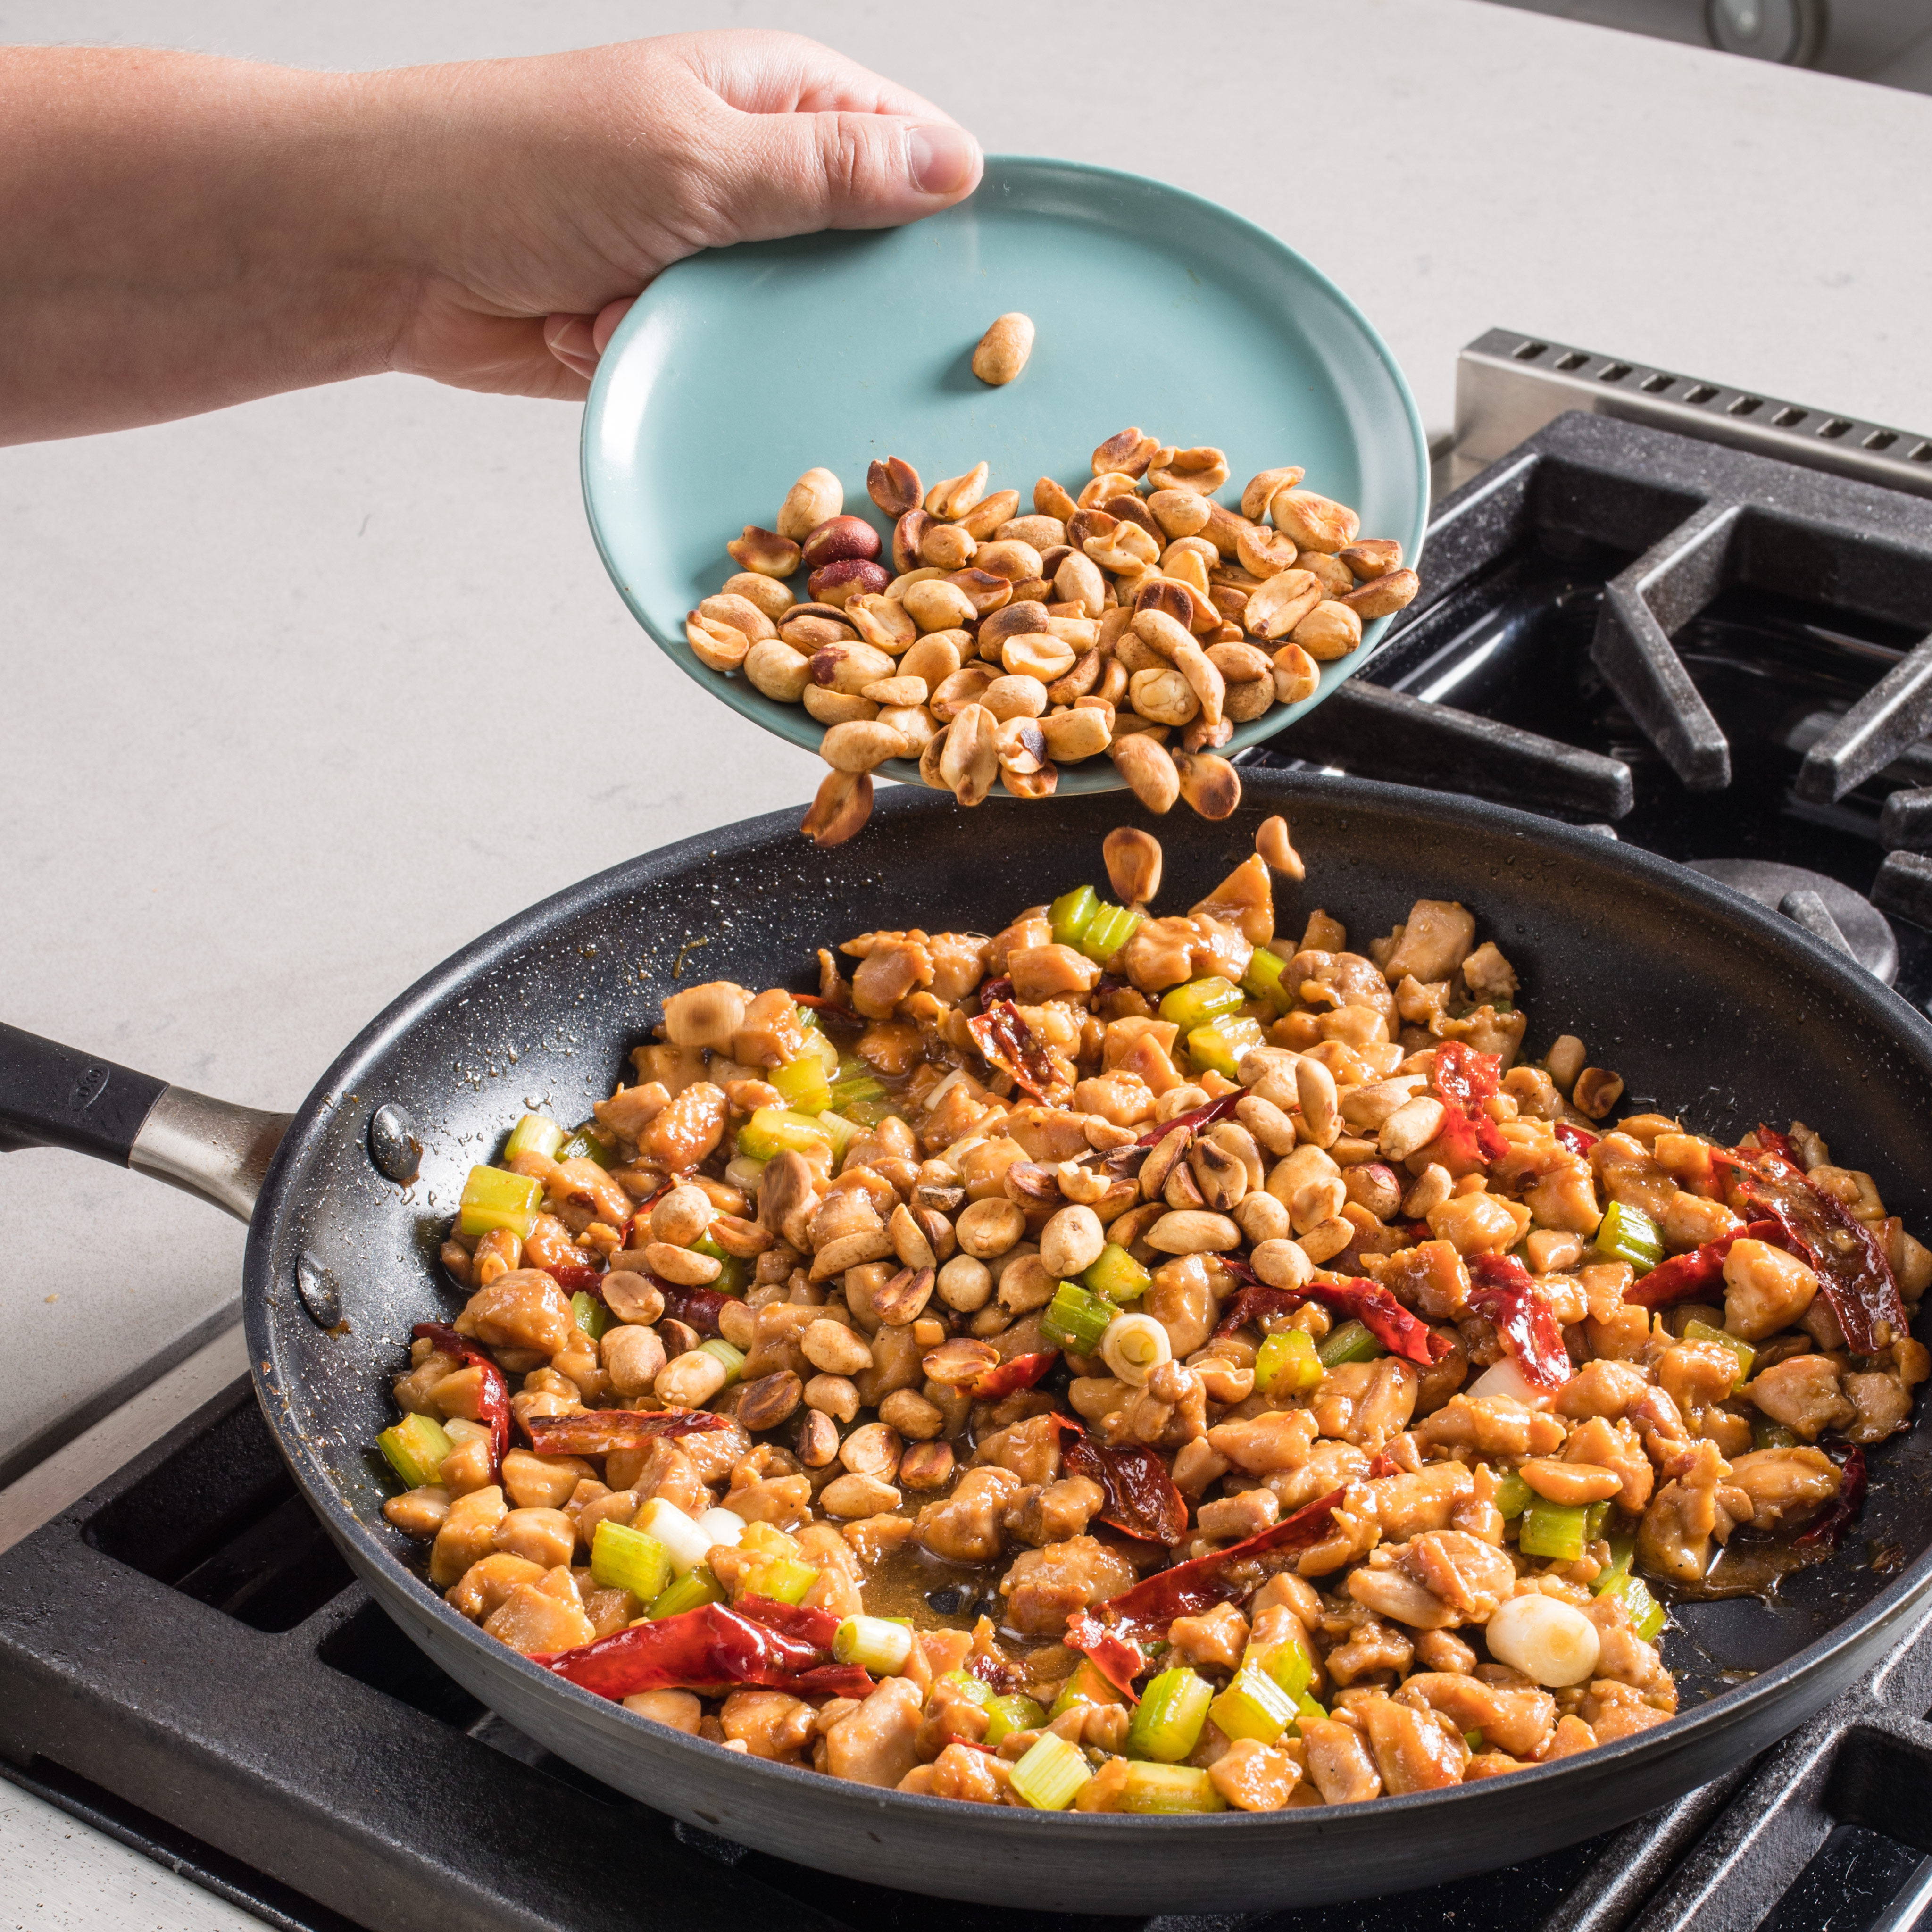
(1289, 1664)
(1702, 1331)
(1167, 1724)
(1086, 1686)
(1072, 913)
(803, 1083)
(1766, 1434)
(587, 1144)
(774, 1130)
(734, 1271)
(838, 1130)
(1254, 1705)
(1157, 1788)
(1263, 981)
(589, 1314)
(1286, 1363)
(1049, 1776)
(1199, 1001)
(1595, 1515)
(722, 1525)
(1474, 1739)
(720, 1350)
(494, 1198)
(1117, 1276)
(1646, 1613)
(691, 1592)
(874, 1644)
(683, 1540)
(1513, 1496)
(1006, 1715)
(1076, 1318)
(534, 1133)
(623, 1558)
(1219, 1047)
(783, 1579)
(1110, 928)
(1351, 1342)
(1627, 1234)
(974, 1690)
(1554, 1530)
(415, 1448)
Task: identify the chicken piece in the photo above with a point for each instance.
(524, 1309)
(1163, 953)
(1785, 1486)
(1331, 1465)
(1435, 939)
(1408, 1505)
(1630, 1174)
(1029, 1450)
(1802, 1392)
(1263, 1444)
(968, 1776)
(1498, 1425)
(421, 1512)
(1254, 1776)
(1441, 1650)
(1337, 979)
(687, 1130)
(1604, 1388)
(1045, 1587)
(958, 964)
(467, 1536)
(1339, 1764)
(678, 1709)
(1614, 1446)
(547, 1536)
(1565, 1199)
(1622, 1656)
(1169, 1409)
(543, 1616)
(1572, 1736)
(1696, 1376)
(1766, 1289)
(1515, 1718)
(769, 1724)
(873, 1744)
(1674, 1539)
(1053, 1514)
(1235, 1519)
(1215, 1640)
(486, 1583)
(1431, 1278)
(1373, 1647)
(1413, 1752)
(895, 967)
(966, 1526)
(1883, 1403)
(1614, 1711)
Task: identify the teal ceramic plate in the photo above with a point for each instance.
(738, 369)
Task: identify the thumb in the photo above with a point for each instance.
(789, 174)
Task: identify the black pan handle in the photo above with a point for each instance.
(52, 1096)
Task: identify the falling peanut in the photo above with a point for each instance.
(1004, 349)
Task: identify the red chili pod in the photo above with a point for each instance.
(494, 1406)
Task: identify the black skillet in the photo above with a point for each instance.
(1707, 1005)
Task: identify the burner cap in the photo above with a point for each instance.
(1866, 928)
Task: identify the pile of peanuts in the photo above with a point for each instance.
(999, 646)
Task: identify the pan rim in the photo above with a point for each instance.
(1877, 1002)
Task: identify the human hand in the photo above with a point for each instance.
(563, 184)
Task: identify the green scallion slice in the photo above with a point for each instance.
(1110, 928)
(1263, 980)
(1005, 1715)
(734, 1271)
(774, 1130)
(1117, 1276)
(873, 1643)
(1627, 1234)
(1076, 1318)
(589, 1314)
(1167, 1724)
(1766, 1434)
(586, 1144)
(623, 1558)
(696, 1587)
(803, 1083)
(720, 1350)
(1513, 1496)
(1200, 1000)
(1350, 1342)
(415, 1448)
(1254, 1705)
(534, 1133)
(1286, 1363)
(1159, 1788)
(1553, 1530)
(783, 1579)
(974, 1690)
(1289, 1664)
(1049, 1776)
(1220, 1046)
(1086, 1686)
(1072, 913)
(492, 1198)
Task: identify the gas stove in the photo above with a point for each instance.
(1683, 616)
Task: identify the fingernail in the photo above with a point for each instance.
(941, 158)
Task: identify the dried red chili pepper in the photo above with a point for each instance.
(1118, 1659)
(830, 1012)
(1004, 1378)
(492, 1405)
(596, 1432)
(992, 991)
(1383, 1464)
(697, 1307)
(1574, 1138)
(1399, 1331)
(1854, 1275)
(1141, 1501)
(1464, 1080)
(711, 1648)
(1146, 1611)
(1836, 1517)
(1004, 1039)
(1683, 1276)
(578, 1280)
(1194, 1120)
(1004, 1678)
(1503, 1292)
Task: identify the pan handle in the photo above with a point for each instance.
(51, 1096)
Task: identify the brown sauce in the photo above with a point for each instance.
(1752, 1565)
(909, 1582)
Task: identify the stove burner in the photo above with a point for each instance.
(1866, 931)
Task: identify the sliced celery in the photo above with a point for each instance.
(1513, 1496)
(773, 1130)
(874, 1644)
(415, 1448)
(1627, 1234)
(734, 1272)
(1766, 1434)
(1158, 1788)
(1595, 1515)
(1474, 1739)
(587, 1145)
(692, 1591)
(1646, 1613)
(1702, 1331)
(1289, 1664)
(1110, 928)
(803, 1083)
(589, 1314)
(1076, 1318)
(1005, 1715)
(783, 1579)
(1086, 1686)
(1048, 1778)
(1072, 913)
(1219, 1046)
(721, 1350)
(1554, 1530)
(492, 1198)
(1351, 1342)
(1167, 1724)
(1117, 1276)
(1286, 1363)
(974, 1690)
(838, 1130)
(1263, 980)
(534, 1133)
(1199, 1001)
(622, 1558)
(1254, 1705)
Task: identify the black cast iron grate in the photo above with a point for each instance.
(185, 1664)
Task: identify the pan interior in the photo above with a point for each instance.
(1709, 1010)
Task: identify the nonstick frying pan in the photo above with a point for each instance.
(1709, 1006)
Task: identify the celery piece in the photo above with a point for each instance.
(1049, 1776)
(1289, 1664)
(589, 1314)
(1262, 980)
(1167, 1725)
(1218, 1047)
(874, 1644)
(1110, 928)
(974, 1690)
(1595, 1515)
(838, 1131)
(1005, 1715)
(1766, 1434)
(587, 1144)
(1627, 1234)
(803, 1083)
(783, 1579)
(415, 1448)
(807, 1018)
(1646, 1613)
(1076, 1318)
(1254, 1705)
(1552, 1530)
(492, 1198)
(734, 1271)
(721, 1351)
(1351, 1342)
(1474, 1739)
(1086, 1686)
(1072, 913)
(622, 1558)
(1117, 1276)
(1157, 1788)
(1199, 1001)
(1286, 1363)
(692, 1591)
(1702, 1331)
(534, 1133)
(1513, 1496)
(772, 1130)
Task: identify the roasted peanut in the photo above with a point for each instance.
(1329, 631)
(1004, 349)
(958, 494)
(1277, 850)
(861, 746)
(1375, 557)
(1073, 735)
(764, 551)
(1149, 771)
(1126, 454)
(716, 645)
(969, 759)
(843, 805)
(816, 496)
(894, 486)
(1297, 678)
(1382, 596)
(1312, 522)
(1263, 488)
(838, 537)
(1133, 860)
(1209, 784)
(1275, 607)
(1202, 470)
(767, 593)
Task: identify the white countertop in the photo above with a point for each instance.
(300, 697)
